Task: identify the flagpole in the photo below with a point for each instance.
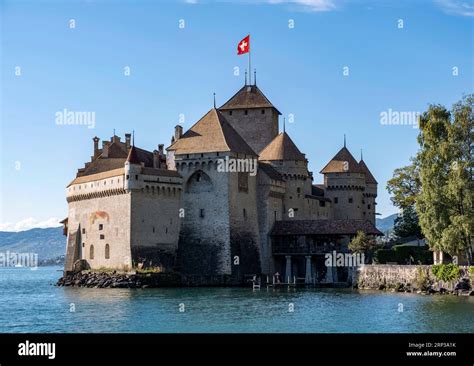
(250, 69)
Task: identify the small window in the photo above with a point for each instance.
(83, 245)
(350, 200)
(101, 226)
(263, 111)
(368, 206)
(336, 200)
(322, 203)
(230, 113)
(245, 213)
(102, 236)
(275, 215)
(298, 190)
(246, 112)
(136, 177)
(91, 252)
(201, 212)
(107, 251)
(128, 177)
(83, 230)
(153, 229)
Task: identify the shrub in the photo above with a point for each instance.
(422, 280)
(471, 271)
(446, 272)
(383, 256)
(401, 254)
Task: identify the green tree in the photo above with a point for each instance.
(405, 185)
(445, 204)
(362, 243)
(407, 224)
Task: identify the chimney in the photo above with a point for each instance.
(115, 138)
(128, 137)
(178, 132)
(161, 149)
(96, 146)
(156, 159)
(105, 149)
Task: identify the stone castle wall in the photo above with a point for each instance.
(256, 128)
(204, 243)
(99, 222)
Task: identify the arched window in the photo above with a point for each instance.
(91, 252)
(107, 251)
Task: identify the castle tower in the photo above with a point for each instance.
(370, 193)
(253, 116)
(219, 234)
(345, 186)
(287, 160)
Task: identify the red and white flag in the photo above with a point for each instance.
(243, 46)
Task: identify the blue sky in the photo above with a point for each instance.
(176, 70)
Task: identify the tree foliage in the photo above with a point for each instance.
(445, 204)
(405, 185)
(406, 224)
(362, 243)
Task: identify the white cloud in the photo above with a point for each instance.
(308, 5)
(457, 7)
(29, 223)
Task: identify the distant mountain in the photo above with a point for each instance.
(386, 224)
(50, 243)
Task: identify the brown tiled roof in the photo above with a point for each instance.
(97, 176)
(250, 96)
(212, 133)
(281, 148)
(369, 178)
(132, 157)
(270, 171)
(319, 198)
(337, 163)
(102, 165)
(324, 227)
(317, 190)
(160, 172)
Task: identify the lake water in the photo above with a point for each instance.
(29, 302)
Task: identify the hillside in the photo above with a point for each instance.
(49, 243)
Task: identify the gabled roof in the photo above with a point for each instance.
(212, 133)
(338, 163)
(324, 227)
(249, 96)
(369, 178)
(281, 148)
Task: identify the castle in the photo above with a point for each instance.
(231, 197)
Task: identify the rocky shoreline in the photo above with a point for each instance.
(119, 280)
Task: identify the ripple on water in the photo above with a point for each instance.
(30, 303)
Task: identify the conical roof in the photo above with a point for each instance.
(342, 162)
(369, 178)
(132, 157)
(249, 96)
(281, 148)
(212, 133)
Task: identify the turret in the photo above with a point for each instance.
(133, 169)
(345, 185)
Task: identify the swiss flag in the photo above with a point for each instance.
(243, 46)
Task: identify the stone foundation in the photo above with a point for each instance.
(410, 278)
